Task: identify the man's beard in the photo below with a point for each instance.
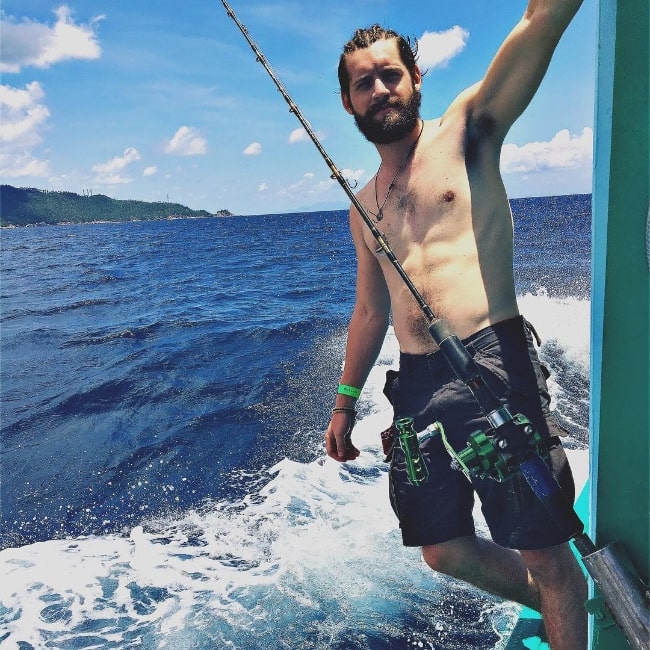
(393, 127)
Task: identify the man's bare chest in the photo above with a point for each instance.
(428, 206)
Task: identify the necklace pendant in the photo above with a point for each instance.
(380, 208)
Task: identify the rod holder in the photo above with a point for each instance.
(626, 596)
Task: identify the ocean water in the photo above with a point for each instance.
(165, 387)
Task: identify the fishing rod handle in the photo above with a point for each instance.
(466, 369)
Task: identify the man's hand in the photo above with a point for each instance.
(337, 437)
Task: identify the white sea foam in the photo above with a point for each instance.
(563, 320)
(312, 559)
(563, 325)
(315, 555)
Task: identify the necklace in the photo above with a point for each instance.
(380, 208)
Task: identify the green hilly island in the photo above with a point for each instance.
(27, 206)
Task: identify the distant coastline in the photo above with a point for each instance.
(28, 206)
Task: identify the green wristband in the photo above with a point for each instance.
(350, 391)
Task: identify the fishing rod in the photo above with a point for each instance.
(336, 173)
(511, 446)
(438, 328)
(524, 456)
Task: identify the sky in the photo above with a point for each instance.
(164, 101)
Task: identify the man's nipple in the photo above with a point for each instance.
(448, 196)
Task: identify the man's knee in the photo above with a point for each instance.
(550, 564)
(448, 557)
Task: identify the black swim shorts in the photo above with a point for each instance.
(427, 390)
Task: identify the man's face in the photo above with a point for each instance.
(383, 98)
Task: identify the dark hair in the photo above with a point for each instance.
(363, 38)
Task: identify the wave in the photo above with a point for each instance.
(137, 333)
(311, 559)
(57, 309)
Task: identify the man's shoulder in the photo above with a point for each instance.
(461, 107)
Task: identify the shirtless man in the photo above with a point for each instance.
(439, 198)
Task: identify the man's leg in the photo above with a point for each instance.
(482, 563)
(549, 581)
(563, 593)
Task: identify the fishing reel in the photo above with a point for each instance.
(497, 453)
(494, 454)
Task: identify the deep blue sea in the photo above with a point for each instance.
(165, 388)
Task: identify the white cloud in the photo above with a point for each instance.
(23, 164)
(436, 49)
(300, 185)
(22, 114)
(119, 162)
(301, 135)
(298, 135)
(263, 187)
(23, 117)
(108, 172)
(309, 186)
(15, 99)
(150, 171)
(353, 176)
(253, 149)
(29, 43)
(187, 141)
(563, 151)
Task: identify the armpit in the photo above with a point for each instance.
(479, 129)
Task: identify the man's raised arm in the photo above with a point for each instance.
(519, 65)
